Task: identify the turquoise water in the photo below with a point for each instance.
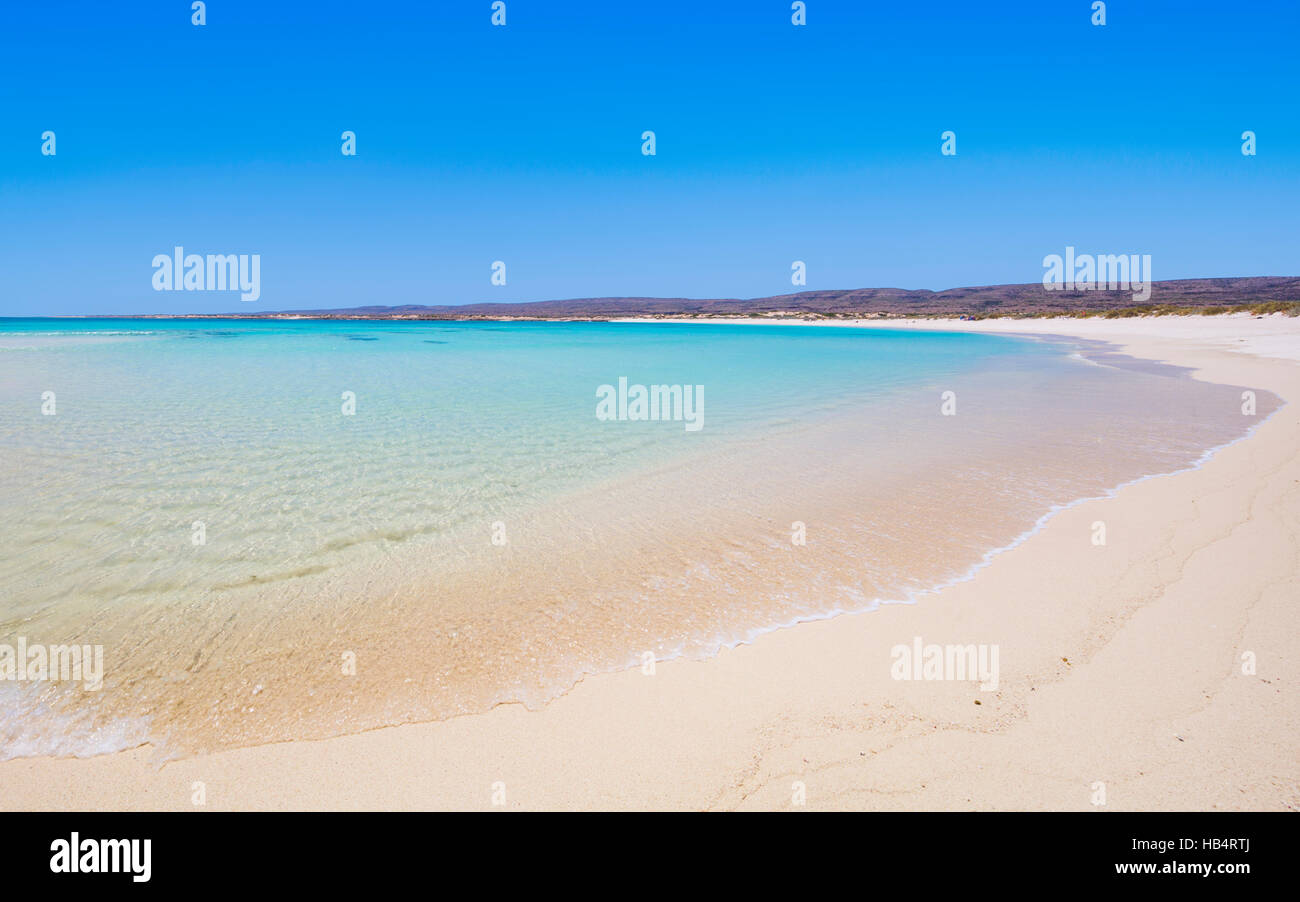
(239, 424)
(200, 503)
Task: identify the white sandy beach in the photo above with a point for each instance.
(1121, 671)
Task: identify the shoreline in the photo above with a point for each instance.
(811, 704)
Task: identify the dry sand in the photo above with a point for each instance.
(1120, 665)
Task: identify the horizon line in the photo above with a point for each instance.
(309, 312)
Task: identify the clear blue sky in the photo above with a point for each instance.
(775, 143)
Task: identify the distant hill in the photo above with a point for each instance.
(989, 300)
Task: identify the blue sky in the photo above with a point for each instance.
(775, 143)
